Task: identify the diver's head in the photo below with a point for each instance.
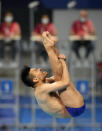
(32, 76)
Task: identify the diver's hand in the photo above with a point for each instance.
(62, 56)
(50, 79)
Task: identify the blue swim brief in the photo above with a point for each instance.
(76, 111)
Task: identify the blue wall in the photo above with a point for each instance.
(53, 3)
(80, 3)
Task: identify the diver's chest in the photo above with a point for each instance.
(40, 97)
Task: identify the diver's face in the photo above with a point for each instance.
(38, 73)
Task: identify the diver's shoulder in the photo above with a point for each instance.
(40, 88)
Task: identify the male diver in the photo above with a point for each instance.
(68, 102)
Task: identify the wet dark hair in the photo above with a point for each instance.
(25, 76)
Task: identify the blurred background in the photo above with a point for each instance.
(78, 26)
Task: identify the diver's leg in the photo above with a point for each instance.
(53, 53)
